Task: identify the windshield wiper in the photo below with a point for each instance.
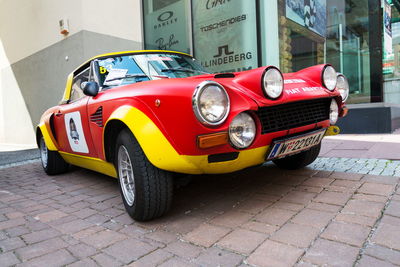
(182, 70)
(128, 76)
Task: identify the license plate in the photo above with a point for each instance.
(283, 148)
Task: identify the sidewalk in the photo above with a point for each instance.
(360, 146)
(20, 156)
(366, 146)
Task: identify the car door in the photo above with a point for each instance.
(71, 119)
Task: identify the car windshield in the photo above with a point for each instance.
(122, 70)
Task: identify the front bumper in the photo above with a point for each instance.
(245, 158)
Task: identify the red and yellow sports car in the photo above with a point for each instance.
(141, 116)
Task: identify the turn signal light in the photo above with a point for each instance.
(211, 140)
(344, 112)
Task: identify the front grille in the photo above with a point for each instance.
(292, 115)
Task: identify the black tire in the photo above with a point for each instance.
(152, 187)
(300, 160)
(52, 162)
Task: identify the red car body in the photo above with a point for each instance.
(159, 113)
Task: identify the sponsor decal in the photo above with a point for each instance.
(76, 138)
(304, 89)
(310, 89)
(293, 91)
(289, 81)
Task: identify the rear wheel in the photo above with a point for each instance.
(299, 160)
(52, 162)
(146, 190)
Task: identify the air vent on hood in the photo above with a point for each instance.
(224, 75)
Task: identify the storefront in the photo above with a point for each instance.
(359, 38)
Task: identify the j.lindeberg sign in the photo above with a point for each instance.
(224, 34)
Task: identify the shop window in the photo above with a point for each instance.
(166, 25)
(225, 34)
(302, 33)
(327, 31)
(391, 51)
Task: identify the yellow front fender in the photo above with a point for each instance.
(49, 140)
(154, 144)
(162, 154)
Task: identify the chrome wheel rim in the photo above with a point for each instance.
(44, 153)
(126, 176)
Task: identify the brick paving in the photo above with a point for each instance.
(258, 217)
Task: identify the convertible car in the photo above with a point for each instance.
(143, 116)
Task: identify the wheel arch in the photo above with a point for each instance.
(46, 129)
(150, 138)
(38, 135)
(111, 132)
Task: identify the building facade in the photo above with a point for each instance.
(361, 39)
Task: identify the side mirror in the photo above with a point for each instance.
(91, 88)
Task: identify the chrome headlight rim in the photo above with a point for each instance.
(264, 84)
(196, 104)
(232, 141)
(347, 90)
(333, 120)
(329, 86)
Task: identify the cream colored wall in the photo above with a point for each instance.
(121, 18)
(28, 26)
(15, 122)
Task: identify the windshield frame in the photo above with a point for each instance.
(195, 70)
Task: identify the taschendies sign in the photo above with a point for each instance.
(224, 34)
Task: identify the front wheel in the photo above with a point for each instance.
(146, 190)
(52, 162)
(299, 160)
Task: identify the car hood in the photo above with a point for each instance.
(246, 85)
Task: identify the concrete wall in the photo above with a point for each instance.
(35, 58)
(41, 77)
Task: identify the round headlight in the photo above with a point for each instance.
(333, 112)
(272, 83)
(242, 131)
(343, 86)
(329, 77)
(211, 103)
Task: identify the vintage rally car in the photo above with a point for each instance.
(143, 116)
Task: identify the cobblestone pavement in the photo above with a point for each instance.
(364, 166)
(260, 217)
